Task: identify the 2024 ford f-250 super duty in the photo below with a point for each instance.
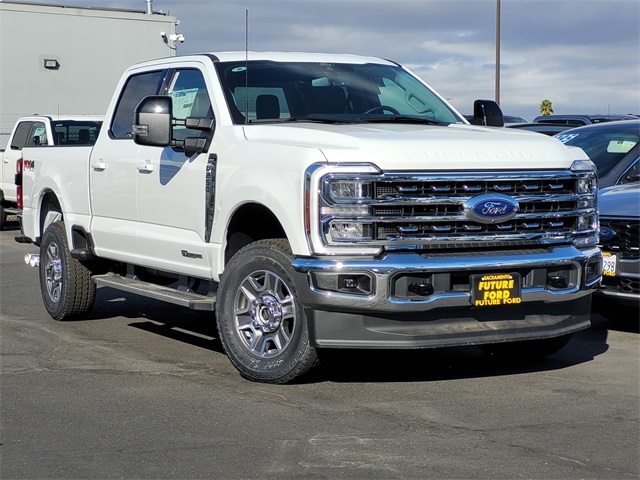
(317, 201)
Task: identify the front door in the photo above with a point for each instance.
(171, 187)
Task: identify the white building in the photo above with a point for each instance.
(60, 59)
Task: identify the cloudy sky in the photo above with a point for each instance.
(582, 55)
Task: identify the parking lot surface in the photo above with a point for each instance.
(143, 390)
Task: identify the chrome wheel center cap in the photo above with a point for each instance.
(266, 312)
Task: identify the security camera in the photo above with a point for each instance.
(176, 37)
(164, 36)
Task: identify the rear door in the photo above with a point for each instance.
(114, 173)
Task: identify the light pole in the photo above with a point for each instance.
(497, 52)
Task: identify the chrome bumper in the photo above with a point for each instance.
(380, 314)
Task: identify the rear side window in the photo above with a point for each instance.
(136, 88)
(75, 132)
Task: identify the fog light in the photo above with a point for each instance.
(349, 283)
(350, 231)
(352, 284)
(557, 281)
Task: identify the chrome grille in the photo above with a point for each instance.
(428, 211)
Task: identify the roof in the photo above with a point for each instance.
(236, 56)
(584, 118)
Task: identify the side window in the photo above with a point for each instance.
(136, 88)
(632, 174)
(188, 91)
(20, 137)
(38, 134)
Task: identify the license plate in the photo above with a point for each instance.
(609, 264)
(495, 289)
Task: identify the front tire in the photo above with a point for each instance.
(66, 286)
(262, 326)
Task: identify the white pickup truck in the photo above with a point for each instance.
(314, 201)
(40, 130)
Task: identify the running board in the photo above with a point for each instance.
(192, 300)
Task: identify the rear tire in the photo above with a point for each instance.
(526, 350)
(262, 326)
(66, 286)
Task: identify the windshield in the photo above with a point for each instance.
(604, 148)
(285, 91)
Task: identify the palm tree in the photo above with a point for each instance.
(546, 108)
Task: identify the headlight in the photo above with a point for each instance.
(587, 184)
(350, 189)
(587, 222)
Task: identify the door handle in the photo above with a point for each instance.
(99, 164)
(145, 166)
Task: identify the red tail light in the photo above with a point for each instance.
(19, 183)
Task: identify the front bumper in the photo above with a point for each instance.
(624, 287)
(369, 303)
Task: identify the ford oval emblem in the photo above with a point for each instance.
(607, 233)
(491, 208)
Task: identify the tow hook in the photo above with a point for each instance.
(32, 259)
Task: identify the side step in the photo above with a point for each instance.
(191, 300)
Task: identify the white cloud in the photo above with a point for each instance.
(583, 55)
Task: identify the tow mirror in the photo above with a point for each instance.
(487, 112)
(153, 121)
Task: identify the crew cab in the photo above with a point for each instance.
(40, 130)
(317, 201)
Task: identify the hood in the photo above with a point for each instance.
(401, 147)
(620, 201)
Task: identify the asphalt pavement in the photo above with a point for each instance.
(143, 390)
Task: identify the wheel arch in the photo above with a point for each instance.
(251, 222)
(50, 211)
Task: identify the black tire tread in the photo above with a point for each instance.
(80, 289)
(308, 359)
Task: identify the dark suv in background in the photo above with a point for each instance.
(577, 120)
(613, 146)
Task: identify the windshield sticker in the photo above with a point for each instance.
(183, 102)
(621, 146)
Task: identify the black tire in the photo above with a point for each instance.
(3, 217)
(66, 286)
(262, 326)
(526, 350)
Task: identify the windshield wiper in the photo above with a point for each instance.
(400, 119)
(316, 119)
